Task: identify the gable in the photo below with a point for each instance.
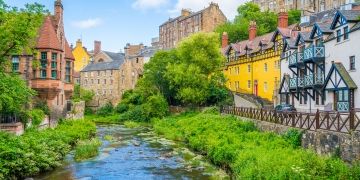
(339, 78)
(316, 32)
(339, 20)
(299, 39)
(284, 86)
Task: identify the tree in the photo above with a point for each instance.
(81, 94)
(294, 16)
(238, 29)
(18, 29)
(14, 93)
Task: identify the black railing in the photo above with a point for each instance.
(8, 119)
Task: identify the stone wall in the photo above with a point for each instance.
(16, 128)
(323, 142)
(77, 111)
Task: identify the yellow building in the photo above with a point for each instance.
(253, 65)
(82, 57)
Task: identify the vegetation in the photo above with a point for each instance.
(249, 154)
(111, 119)
(86, 149)
(18, 30)
(37, 116)
(131, 124)
(81, 94)
(106, 110)
(266, 22)
(37, 151)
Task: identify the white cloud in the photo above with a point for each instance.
(229, 7)
(149, 4)
(88, 23)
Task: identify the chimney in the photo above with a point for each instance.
(185, 12)
(59, 9)
(252, 30)
(224, 40)
(283, 19)
(78, 43)
(97, 47)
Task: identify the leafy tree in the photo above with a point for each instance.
(238, 29)
(14, 93)
(18, 29)
(294, 16)
(81, 94)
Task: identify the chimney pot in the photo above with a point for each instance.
(252, 30)
(283, 19)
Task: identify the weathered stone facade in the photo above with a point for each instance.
(176, 29)
(306, 5)
(323, 142)
(111, 74)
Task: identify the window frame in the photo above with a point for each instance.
(352, 63)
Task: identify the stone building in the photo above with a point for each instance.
(311, 6)
(110, 74)
(50, 72)
(175, 29)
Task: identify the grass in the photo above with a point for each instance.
(87, 149)
(131, 124)
(238, 147)
(108, 137)
(111, 119)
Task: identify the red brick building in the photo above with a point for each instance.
(50, 71)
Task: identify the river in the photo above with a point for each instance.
(136, 154)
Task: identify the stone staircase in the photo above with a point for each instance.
(250, 100)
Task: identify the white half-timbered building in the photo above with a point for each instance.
(320, 68)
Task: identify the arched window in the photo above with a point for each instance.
(101, 60)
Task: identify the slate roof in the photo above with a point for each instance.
(351, 15)
(47, 36)
(345, 75)
(324, 16)
(324, 27)
(113, 65)
(68, 52)
(115, 56)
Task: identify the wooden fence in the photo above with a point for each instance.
(8, 119)
(346, 122)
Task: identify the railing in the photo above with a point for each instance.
(314, 52)
(293, 83)
(319, 79)
(343, 106)
(8, 119)
(344, 122)
(301, 82)
(309, 80)
(300, 57)
(293, 58)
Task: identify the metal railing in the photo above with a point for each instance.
(295, 58)
(9, 118)
(344, 122)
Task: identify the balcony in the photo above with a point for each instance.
(296, 83)
(295, 59)
(312, 80)
(314, 54)
(47, 88)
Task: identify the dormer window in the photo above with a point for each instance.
(346, 32)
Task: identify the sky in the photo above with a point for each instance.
(118, 22)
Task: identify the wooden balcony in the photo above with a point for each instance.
(314, 54)
(314, 80)
(297, 83)
(296, 59)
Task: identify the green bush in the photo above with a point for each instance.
(211, 110)
(248, 153)
(38, 151)
(87, 149)
(156, 106)
(40, 104)
(121, 108)
(88, 111)
(131, 124)
(105, 110)
(135, 113)
(37, 116)
(293, 136)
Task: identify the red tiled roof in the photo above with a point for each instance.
(68, 51)
(47, 36)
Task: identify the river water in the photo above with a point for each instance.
(136, 154)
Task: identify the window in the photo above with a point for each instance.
(53, 66)
(352, 63)
(43, 55)
(346, 33)
(266, 67)
(338, 35)
(68, 72)
(249, 68)
(104, 81)
(249, 84)
(15, 63)
(98, 81)
(265, 86)
(98, 73)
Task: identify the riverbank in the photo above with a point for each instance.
(247, 153)
(38, 151)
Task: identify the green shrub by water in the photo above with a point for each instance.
(249, 154)
(86, 149)
(131, 124)
(38, 151)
